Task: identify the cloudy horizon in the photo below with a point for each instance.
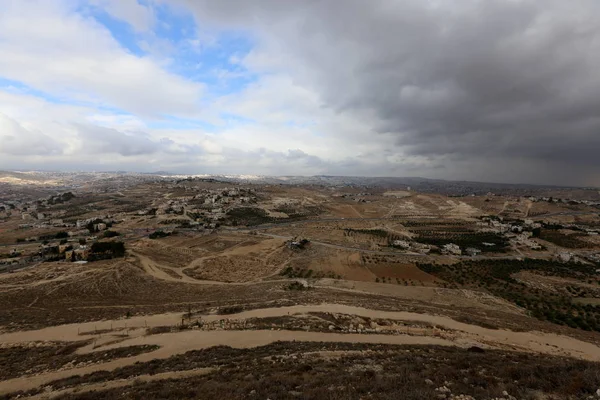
(494, 90)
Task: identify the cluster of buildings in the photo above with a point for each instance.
(497, 225)
(448, 249)
(70, 251)
(359, 197)
(73, 246)
(208, 207)
(519, 233)
(452, 249)
(80, 253)
(564, 201)
(455, 250)
(412, 246)
(80, 228)
(29, 209)
(525, 239)
(53, 223)
(98, 224)
(31, 214)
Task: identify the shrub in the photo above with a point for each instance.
(296, 286)
(102, 250)
(230, 310)
(158, 234)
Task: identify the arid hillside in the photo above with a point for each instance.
(271, 291)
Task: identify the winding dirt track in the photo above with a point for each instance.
(151, 268)
(456, 334)
(181, 342)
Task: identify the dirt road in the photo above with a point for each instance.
(181, 342)
(454, 333)
(151, 268)
(526, 341)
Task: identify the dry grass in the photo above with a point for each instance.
(17, 361)
(351, 371)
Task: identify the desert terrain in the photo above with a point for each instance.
(171, 287)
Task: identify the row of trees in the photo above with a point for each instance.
(496, 277)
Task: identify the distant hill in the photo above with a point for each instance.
(419, 184)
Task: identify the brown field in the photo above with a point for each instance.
(402, 272)
(238, 311)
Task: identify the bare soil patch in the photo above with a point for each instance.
(231, 269)
(288, 370)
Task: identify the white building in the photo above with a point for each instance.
(472, 251)
(401, 243)
(451, 248)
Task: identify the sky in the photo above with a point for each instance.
(486, 90)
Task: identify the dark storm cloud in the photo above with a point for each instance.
(468, 80)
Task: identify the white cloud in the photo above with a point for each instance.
(47, 45)
(279, 125)
(335, 90)
(15, 139)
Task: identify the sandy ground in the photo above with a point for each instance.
(248, 260)
(453, 334)
(430, 295)
(124, 382)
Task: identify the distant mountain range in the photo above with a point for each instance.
(451, 188)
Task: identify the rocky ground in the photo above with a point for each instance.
(287, 370)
